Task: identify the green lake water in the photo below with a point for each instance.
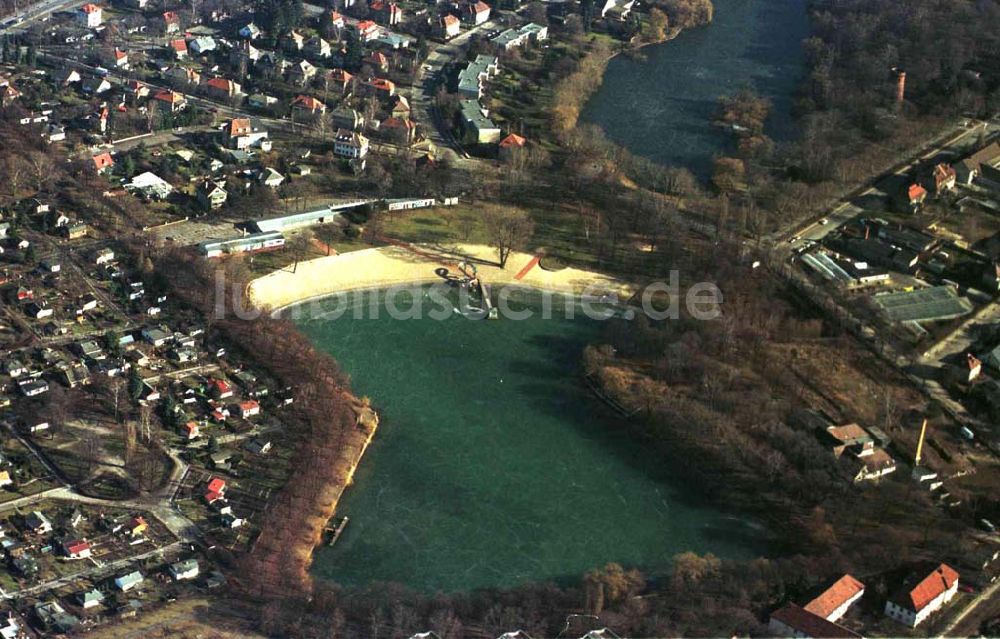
(495, 466)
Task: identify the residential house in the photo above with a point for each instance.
(96, 85)
(54, 133)
(215, 489)
(8, 93)
(317, 47)
(450, 26)
(178, 48)
(399, 130)
(90, 599)
(202, 45)
(5, 480)
(38, 523)
(182, 570)
(379, 87)
(116, 58)
(834, 602)
(339, 79)
(386, 12)
(222, 88)
(150, 186)
(190, 431)
(129, 581)
(212, 195)
(261, 101)
(221, 389)
(914, 603)
(475, 13)
(377, 60)
(840, 438)
(336, 20)
(248, 408)
(294, 41)
(137, 526)
(913, 198)
(795, 621)
(136, 90)
(510, 146)
(347, 118)
(270, 178)
(970, 168)
(308, 105)
(173, 100)
(169, 22)
(301, 72)
(259, 446)
(366, 30)
(184, 75)
(89, 15)
(943, 178)
(249, 31)
(54, 617)
(350, 144)
(103, 162)
(77, 549)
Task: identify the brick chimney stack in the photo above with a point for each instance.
(900, 85)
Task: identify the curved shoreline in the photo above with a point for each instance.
(392, 266)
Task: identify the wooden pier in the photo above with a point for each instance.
(335, 532)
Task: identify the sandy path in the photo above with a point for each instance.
(393, 265)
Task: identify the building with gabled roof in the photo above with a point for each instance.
(90, 15)
(834, 602)
(103, 162)
(914, 603)
(795, 621)
(308, 104)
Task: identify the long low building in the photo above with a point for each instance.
(934, 303)
(245, 244)
(323, 215)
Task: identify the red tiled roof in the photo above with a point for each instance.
(178, 45)
(220, 83)
(842, 591)
(249, 405)
(239, 126)
(76, 546)
(915, 192)
(366, 25)
(930, 588)
(810, 624)
(512, 140)
(382, 84)
(217, 485)
(103, 161)
(449, 20)
(90, 8)
(340, 75)
(170, 17)
(308, 102)
(847, 432)
(480, 7)
(169, 96)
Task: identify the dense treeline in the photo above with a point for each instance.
(950, 53)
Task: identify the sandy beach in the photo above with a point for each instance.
(395, 265)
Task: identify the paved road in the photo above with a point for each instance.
(955, 139)
(983, 596)
(423, 92)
